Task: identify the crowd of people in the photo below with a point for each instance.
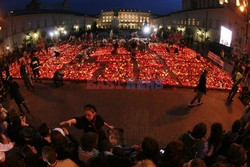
(23, 145)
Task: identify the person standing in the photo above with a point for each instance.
(237, 79)
(114, 51)
(200, 89)
(25, 76)
(17, 96)
(34, 64)
(222, 54)
(133, 49)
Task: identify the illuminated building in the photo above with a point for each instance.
(31, 24)
(203, 20)
(128, 18)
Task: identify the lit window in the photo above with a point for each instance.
(88, 27)
(189, 21)
(193, 22)
(181, 21)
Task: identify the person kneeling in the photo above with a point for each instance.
(58, 78)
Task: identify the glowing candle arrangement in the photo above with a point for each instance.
(187, 65)
(151, 68)
(117, 71)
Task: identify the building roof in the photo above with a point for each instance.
(127, 10)
(46, 11)
(189, 10)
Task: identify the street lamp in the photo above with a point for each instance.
(51, 34)
(242, 8)
(146, 29)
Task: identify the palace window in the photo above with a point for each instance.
(193, 22)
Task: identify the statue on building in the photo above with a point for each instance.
(65, 5)
(34, 4)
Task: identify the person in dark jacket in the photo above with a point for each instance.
(200, 89)
(114, 51)
(16, 95)
(26, 77)
(237, 80)
(58, 78)
(34, 64)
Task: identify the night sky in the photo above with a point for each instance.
(95, 6)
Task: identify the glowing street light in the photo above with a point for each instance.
(61, 29)
(242, 8)
(65, 32)
(155, 29)
(76, 27)
(36, 35)
(146, 29)
(51, 34)
(56, 33)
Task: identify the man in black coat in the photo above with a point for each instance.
(34, 64)
(26, 77)
(200, 89)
